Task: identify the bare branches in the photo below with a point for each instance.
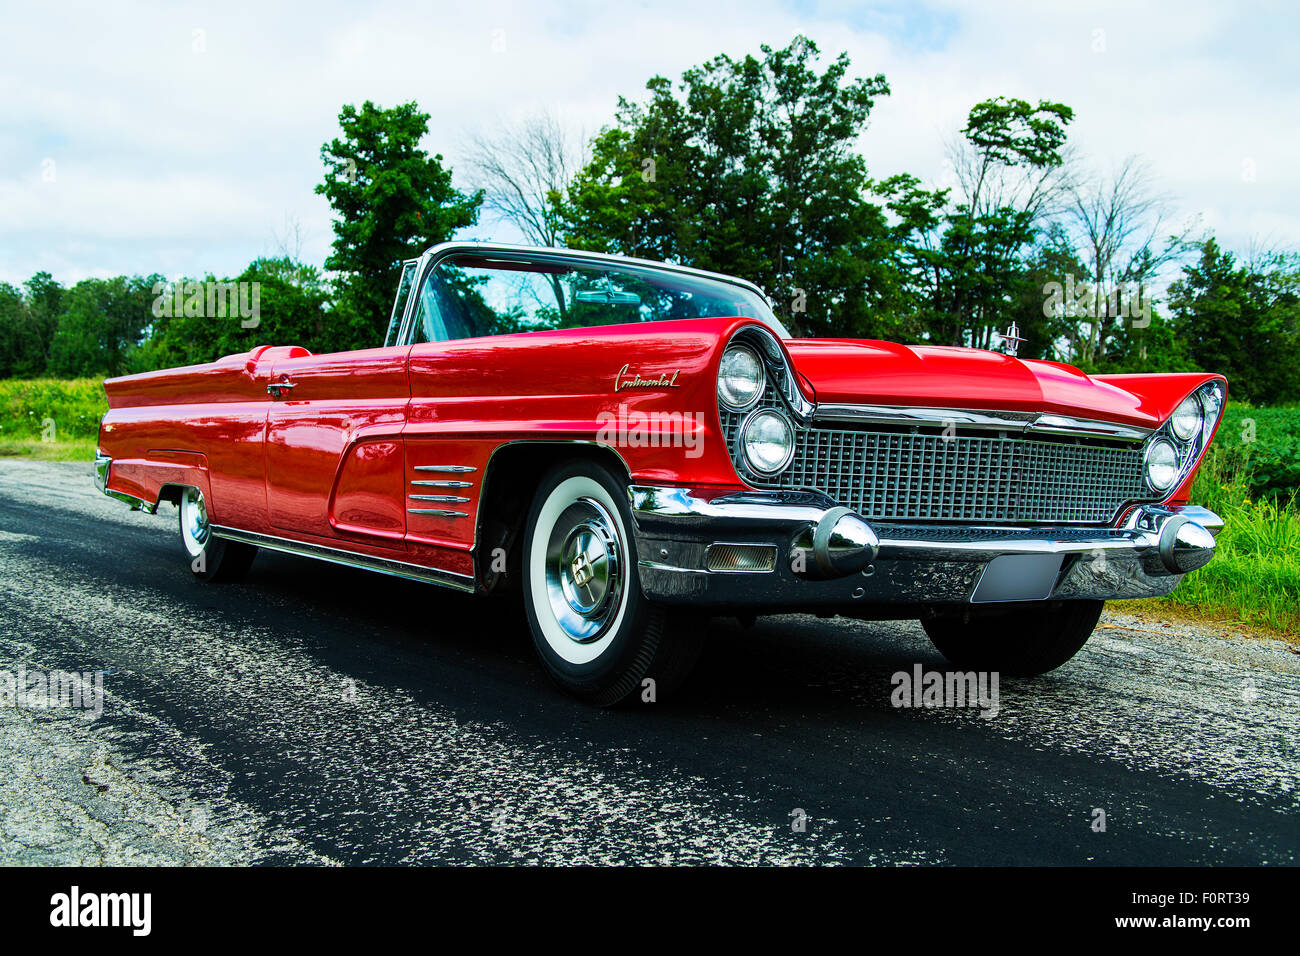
(985, 185)
(1120, 224)
(288, 240)
(525, 171)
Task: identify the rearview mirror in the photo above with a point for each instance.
(607, 297)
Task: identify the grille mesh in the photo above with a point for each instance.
(897, 475)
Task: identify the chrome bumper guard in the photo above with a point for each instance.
(103, 469)
(829, 557)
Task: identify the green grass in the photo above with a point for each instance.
(80, 449)
(1255, 575)
(51, 409)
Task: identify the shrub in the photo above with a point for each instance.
(1259, 447)
(74, 406)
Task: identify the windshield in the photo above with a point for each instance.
(471, 295)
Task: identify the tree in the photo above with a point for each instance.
(523, 175)
(1242, 321)
(19, 351)
(391, 201)
(749, 167)
(1047, 333)
(44, 304)
(1117, 222)
(102, 321)
(965, 260)
(293, 310)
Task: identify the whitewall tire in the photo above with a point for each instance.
(594, 630)
(211, 558)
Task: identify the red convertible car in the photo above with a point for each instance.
(631, 446)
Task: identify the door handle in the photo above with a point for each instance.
(274, 388)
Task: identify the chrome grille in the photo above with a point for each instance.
(913, 476)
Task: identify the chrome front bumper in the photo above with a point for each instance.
(788, 551)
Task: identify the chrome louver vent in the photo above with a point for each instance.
(914, 475)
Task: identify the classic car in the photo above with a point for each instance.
(629, 447)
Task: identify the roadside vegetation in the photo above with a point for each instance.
(51, 419)
(1250, 477)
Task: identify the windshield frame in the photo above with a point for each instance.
(544, 254)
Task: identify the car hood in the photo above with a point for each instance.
(867, 372)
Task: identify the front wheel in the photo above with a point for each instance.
(596, 633)
(1024, 642)
(211, 558)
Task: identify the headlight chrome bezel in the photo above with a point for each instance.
(1188, 446)
(761, 379)
(742, 440)
(1161, 441)
(1197, 411)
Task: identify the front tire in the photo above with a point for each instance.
(1024, 642)
(597, 635)
(211, 558)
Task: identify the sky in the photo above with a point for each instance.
(184, 139)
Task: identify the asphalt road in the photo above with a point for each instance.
(316, 714)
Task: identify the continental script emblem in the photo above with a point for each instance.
(625, 379)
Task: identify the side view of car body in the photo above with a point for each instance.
(633, 446)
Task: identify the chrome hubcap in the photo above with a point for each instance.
(194, 521)
(584, 570)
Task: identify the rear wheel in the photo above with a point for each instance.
(1024, 642)
(211, 558)
(596, 633)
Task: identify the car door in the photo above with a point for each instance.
(334, 453)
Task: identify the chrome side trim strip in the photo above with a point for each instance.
(437, 512)
(1087, 428)
(399, 569)
(444, 484)
(1033, 422)
(450, 469)
(658, 566)
(453, 498)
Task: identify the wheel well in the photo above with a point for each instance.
(171, 494)
(509, 483)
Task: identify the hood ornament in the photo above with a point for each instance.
(1011, 339)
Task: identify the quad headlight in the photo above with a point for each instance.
(1212, 404)
(1183, 438)
(767, 441)
(1188, 418)
(740, 378)
(1162, 464)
